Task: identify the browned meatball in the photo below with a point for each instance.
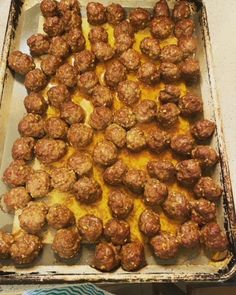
(145, 111)
(16, 198)
(59, 47)
(53, 26)
(171, 53)
(171, 93)
(170, 72)
(76, 40)
(48, 150)
(188, 45)
(38, 184)
(150, 47)
(100, 118)
(31, 125)
(149, 73)
(20, 62)
(59, 216)
(168, 114)
(81, 163)
(190, 104)
(87, 190)
(155, 192)
(87, 82)
(190, 70)
(66, 243)
(207, 188)
(188, 172)
(17, 173)
(80, 135)
(35, 103)
(156, 139)
(105, 153)
(67, 74)
(36, 224)
(55, 128)
(123, 42)
(115, 73)
(106, 257)
(165, 245)
(189, 234)
(117, 231)
(161, 27)
(48, 7)
(38, 44)
(72, 113)
(203, 129)
(123, 28)
(149, 223)
(90, 228)
(184, 28)
(206, 155)
(116, 134)
(96, 13)
(103, 51)
(72, 20)
(71, 5)
(120, 203)
(102, 96)
(25, 248)
(181, 10)
(57, 95)
(130, 59)
(139, 18)
(6, 241)
(98, 34)
(135, 180)
(35, 80)
(125, 117)
(114, 174)
(182, 144)
(132, 256)
(161, 8)
(63, 179)
(84, 61)
(135, 139)
(128, 92)
(23, 149)
(115, 13)
(163, 170)
(203, 211)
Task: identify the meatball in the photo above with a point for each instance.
(87, 190)
(121, 204)
(190, 70)
(38, 184)
(87, 82)
(181, 10)
(59, 47)
(161, 27)
(38, 44)
(25, 248)
(35, 103)
(115, 13)
(203, 129)
(135, 180)
(81, 163)
(188, 172)
(105, 153)
(149, 73)
(48, 7)
(207, 188)
(96, 13)
(156, 139)
(57, 95)
(16, 198)
(145, 111)
(163, 170)
(123, 42)
(53, 26)
(206, 155)
(102, 96)
(125, 117)
(128, 92)
(48, 150)
(63, 179)
(66, 243)
(100, 118)
(150, 47)
(149, 223)
(72, 20)
(124, 27)
(103, 51)
(90, 228)
(84, 61)
(31, 125)
(170, 72)
(67, 74)
(115, 73)
(59, 216)
(20, 63)
(161, 8)
(184, 28)
(203, 211)
(132, 256)
(188, 45)
(36, 224)
(130, 59)
(114, 174)
(35, 80)
(76, 40)
(23, 149)
(190, 104)
(72, 113)
(106, 257)
(182, 144)
(139, 18)
(168, 114)
(155, 192)
(98, 34)
(165, 245)
(17, 173)
(135, 139)
(55, 128)
(117, 231)
(171, 53)
(189, 234)
(6, 241)
(171, 93)
(71, 5)
(80, 135)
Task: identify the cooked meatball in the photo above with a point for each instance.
(105, 153)
(117, 231)
(66, 243)
(130, 59)
(33, 217)
(168, 114)
(188, 45)
(163, 170)
(116, 134)
(16, 198)
(135, 139)
(150, 47)
(100, 118)
(38, 44)
(189, 234)
(76, 40)
(48, 7)
(188, 172)
(6, 241)
(157, 140)
(87, 190)
(139, 18)
(72, 113)
(203, 129)
(71, 5)
(80, 135)
(67, 74)
(135, 180)
(190, 70)
(59, 47)
(35, 103)
(87, 82)
(81, 163)
(124, 27)
(121, 204)
(149, 223)
(59, 216)
(55, 128)
(53, 26)
(206, 155)
(125, 117)
(102, 96)
(98, 34)
(207, 188)
(63, 179)
(96, 13)
(31, 125)
(38, 184)
(115, 73)
(115, 13)
(149, 73)
(145, 111)
(90, 228)
(23, 149)
(170, 72)
(181, 10)
(203, 211)
(190, 104)
(57, 95)
(171, 93)
(128, 92)
(48, 150)
(25, 248)
(72, 20)
(84, 61)
(123, 42)
(114, 174)
(103, 51)
(161, 8)
(35, 80)
(171, 53)
(155, 192)
(17, 173)
(161, 27)
(20, 63)
(132, 256)
(184, 28)
(106, 257)
(182, 144)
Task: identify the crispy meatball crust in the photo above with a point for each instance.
(81, 163)
(171, 53)
(139, 18)
(105, 153)
(171, 93)
(170, 72)
(150, 47)
(20, 63)
(59, 47)
(124, 117)
(38, 184)
(48, 7)
(57, 95)
(115, 73)
(71, 5)
(87, 82)
(87, 190)
(84, 61)
(189, 234)
(67, 74)
(184, 28)
(72, 113)
(132, 256)
(149, 73)
(182, 144)
(188, 172)
(100, 118)
(135, 139)
(124, 27)
(6, 241)
(156, 139)
(96, 13)
(55, 128)
(207, 188)
(203, 211)
(98, 34)
(168, 114)
(145, 111)
(135, 180)
(161, 8)
(103, 51)
(16, 198)
(117, 231)
(35, 80)
(121, 204)
(80, 135)
(114, 174)
(123, 42)
(190, 70)
(59, 216)
(149, 223)
(161, 27)
(115, 13)
(163, 170)
(53, 26)
(38, 44)
(188, 45)
(76, 40)
(203, 129)
(17, 173)
(31, 125)
(35, 103)
(181, 10)
(206, 155)
(72, 20)
(63, 179)
(190, 104)
(23, 148)
(102, 96)
(90, 228)
(128, 92)
(155, 192)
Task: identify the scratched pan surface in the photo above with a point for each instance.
(190, 265)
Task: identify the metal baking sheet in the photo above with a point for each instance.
(24, 21)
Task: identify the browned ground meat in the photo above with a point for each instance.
(6, 241)
(76, 40)
(135, 180)
(67, 74)
(139, 18)
(203, 211)
(123, 42)
(132, 256)
(170, 72)
(156, 139)
(106, 257)
(130, 59)
(150, 47)
(48, 150)
(182, 144)
(59, 47)
(84, 61)
(35, 103)
(163, 170)
(98, 34)
(87, 190)
(48, 7)
(203, 129)
(161, 27)
(38, 44)
(59, 216)
(38, 184)
(100, 118)
(35, 80)
(72, 20)
(181, 10)
(189, 234)
(115, 73)
(168, 114)
(184, 28)
(190, 70)
(115, 13)
(135, 139)
(96, 13)
(105, 153)
(57, 95)
(25, 248)
(63, 179)
(81, 163)
(50, 64)
(17, 173)
(114, 174)
(72, 113)
(117, 231)
(123, 28)
(125, 117)
(80, 135)
(188, 45)
(87, 81)
(149, 73)
(20, 62)
(65, 5)
(53, 26)
(155, 192)
(66, 243)
(171, 93)
(207, 188)
(129, 92)
(23, 149)
(171, 53)
(190, 104)
(90, 228)
(31, 125)
(206, 155)
(55, 128)
(161, 9)
(149, 223)
(102, 96)
(120, 204)
(188, 172)
(116, 134)
(16, 198)
(145, 111)
(103, 51)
